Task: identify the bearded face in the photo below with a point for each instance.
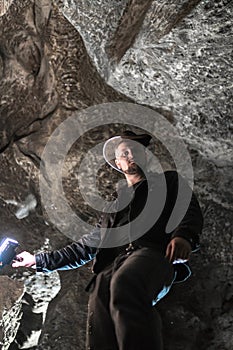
(130, 157)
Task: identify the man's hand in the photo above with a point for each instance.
(178, 248)
(24, 259)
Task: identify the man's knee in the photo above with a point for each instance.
(122, 284)
(125, 291)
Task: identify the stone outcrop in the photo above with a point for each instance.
(60, 58)
(11, 293)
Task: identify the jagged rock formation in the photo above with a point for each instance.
(11, 292)
(58, 58)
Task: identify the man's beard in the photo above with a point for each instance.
(133, 169)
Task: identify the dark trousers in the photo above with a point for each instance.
(120, 311)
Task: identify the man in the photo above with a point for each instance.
(135, 259)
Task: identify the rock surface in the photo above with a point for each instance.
(11, 293)
(58, 58)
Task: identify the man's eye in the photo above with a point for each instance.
(126, 153)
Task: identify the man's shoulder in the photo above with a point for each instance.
(168, 174)
(166, 181)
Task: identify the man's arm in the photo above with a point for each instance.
(70, 257)
(185, 237)
(191, 225)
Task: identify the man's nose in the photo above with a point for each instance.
(130, 154)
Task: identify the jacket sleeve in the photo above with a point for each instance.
(72, 256)
(191, 224)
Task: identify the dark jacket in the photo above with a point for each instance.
(160, 209)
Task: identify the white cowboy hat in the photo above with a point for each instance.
(112, 143)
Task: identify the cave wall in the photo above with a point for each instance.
(59, 58)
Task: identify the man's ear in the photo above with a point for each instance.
(117, 164)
